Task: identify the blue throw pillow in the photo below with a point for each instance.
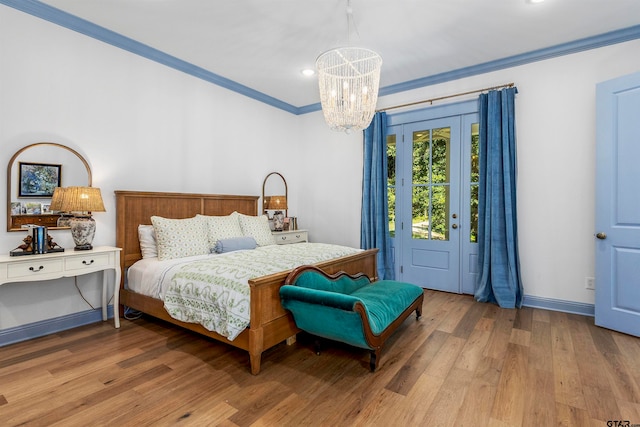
(234, 244)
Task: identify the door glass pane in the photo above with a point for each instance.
(421, 157)
(420, 213)
(430, 183)
(440, 155)
(391, 183)
(440, 212)
(474, 181)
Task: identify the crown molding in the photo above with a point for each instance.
(64, 19)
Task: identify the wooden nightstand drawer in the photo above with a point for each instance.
(88, 261)
(34, 268)
(287, 237)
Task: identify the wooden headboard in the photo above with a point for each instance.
(137, 207)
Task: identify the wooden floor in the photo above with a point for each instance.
(463, 363)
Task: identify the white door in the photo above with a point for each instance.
(617, 304)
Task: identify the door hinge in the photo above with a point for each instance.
(402, 226)
(401, 269)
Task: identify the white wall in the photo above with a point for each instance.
(143, 126)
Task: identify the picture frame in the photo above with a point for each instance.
(16, 208)
(45, 208)
(38, 179)
(33, 208)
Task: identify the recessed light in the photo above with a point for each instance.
(534, 1)
(308, 72)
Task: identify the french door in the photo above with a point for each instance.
(432, 186)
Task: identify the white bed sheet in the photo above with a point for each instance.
(147, 276)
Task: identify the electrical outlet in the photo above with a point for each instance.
(590, 283)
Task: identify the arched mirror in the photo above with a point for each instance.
(274, 199)
(32, 174)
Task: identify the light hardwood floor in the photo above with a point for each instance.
(462, 364)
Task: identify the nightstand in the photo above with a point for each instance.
(287, 237)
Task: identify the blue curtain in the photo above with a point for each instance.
(499, 279)
(374, 228)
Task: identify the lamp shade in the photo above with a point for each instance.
(56, 199)
(80, 199)
(276, 203)
(348, 80)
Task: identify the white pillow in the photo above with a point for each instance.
(222, 227)
(179, 238)
(148, 245)
(258, 228)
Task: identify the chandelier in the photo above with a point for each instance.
(348, 79)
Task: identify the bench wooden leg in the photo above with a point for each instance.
(373, 361)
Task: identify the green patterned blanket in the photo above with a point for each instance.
(214, 292)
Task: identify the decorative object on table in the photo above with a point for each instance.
(38, 241)
(278, 221)
(293, 223)
(64, 220)
(38, 179)
(82, 201)
(33, 208)
(276, 203)
(348, 79)
(16, 208)
(56, 206)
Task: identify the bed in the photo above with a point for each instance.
(269, 323)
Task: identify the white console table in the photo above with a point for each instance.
(70, 263)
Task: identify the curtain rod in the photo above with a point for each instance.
(431, 101)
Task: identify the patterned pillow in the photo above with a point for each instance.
(148, 245)
(179, 238)
(221, 227)
(258, 228)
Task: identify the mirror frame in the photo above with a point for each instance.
(10, 167)
(286, 190)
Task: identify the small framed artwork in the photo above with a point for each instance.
(16, 208)
(38, 179)
(45, 208)
(33, 208)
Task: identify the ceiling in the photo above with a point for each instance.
(263, 45)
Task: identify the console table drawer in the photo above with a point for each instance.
(33, 268)
(90, 261)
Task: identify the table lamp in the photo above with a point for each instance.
(277, 204)
(81, 201)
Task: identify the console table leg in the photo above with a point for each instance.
(116, 294)
(104, 296)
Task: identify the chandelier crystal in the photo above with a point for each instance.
(349, 78)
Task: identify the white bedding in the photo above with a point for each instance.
(213, 290)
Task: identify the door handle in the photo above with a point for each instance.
(454, 226)
(601, 235)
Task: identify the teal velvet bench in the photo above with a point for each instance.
(349, 309)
